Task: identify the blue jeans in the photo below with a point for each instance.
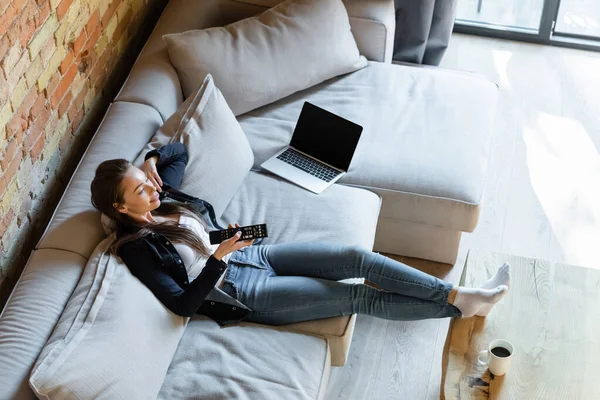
(292, 282)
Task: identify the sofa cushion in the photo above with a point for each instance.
(262, 59)
(153, 80)
(246, 362)
(372, 22)
(114, 339)
(219, 155)
(75, 225)
(293, 214)
(426, 140)
(340, 214)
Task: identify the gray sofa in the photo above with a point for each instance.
(414, 186)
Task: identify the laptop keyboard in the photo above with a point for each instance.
(309, 165)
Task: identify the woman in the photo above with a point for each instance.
(162, 238)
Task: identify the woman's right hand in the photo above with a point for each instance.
(230, 245)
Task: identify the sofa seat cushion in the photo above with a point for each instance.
(246, 362)
(340, 214)
(425, 144)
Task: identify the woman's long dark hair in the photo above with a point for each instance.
(106, 190)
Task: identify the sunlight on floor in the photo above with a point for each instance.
(564, 167)
(501, 59)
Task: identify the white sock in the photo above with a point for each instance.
(471, 301)
(502, 277)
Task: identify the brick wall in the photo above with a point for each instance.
(61, 63)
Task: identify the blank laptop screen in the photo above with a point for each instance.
(326, 136)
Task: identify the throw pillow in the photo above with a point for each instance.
(259, 60)
(114, 340)
(219, 154)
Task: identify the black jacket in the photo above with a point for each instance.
(156, 262)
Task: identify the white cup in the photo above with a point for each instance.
(497, 365)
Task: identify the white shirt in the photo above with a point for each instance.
(193, 262)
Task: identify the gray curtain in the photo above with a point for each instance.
(423, 29)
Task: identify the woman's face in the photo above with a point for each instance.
(139, 195)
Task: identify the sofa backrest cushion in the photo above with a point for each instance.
(259, 60)
(219, 154)
(115, 339)
(75, 225)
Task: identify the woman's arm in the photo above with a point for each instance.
(147, 268)
(171, 160)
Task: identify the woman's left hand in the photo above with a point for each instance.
(149, 168)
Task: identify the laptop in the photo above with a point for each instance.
(320, 151)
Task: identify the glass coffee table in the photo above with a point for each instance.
(552, 317)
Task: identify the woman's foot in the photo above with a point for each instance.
(479, 301)
(502, 277)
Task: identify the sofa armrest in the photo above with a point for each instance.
(31, 312)
(373, 24)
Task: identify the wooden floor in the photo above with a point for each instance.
(542, 201)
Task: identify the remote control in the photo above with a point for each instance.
(248, 232)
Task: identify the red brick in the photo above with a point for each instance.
(122, 26)
(96, 74)
(62, 8)
(93, 22)
(37, 148)
(109, 12)
(4, 46)
(52, 84)
(6, 19)
(10, 172)
(64, 104)
(63, 86)
(6, 221)
(18, 4)
(51, 126)
(28, 101)
(17, 132)
(31, 139)
(9, 154)
(36, 129)
(77, 45)
(47, 50)
(17, 125)
(13, 31)
(81, 94)
(75, 115)
(19, 121)
(43, 13)
(37, 107)
(66, 63)
(25, 23)
(27, 30)
(65, 141)
(93, 38)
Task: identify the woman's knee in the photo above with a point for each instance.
(357, 252)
